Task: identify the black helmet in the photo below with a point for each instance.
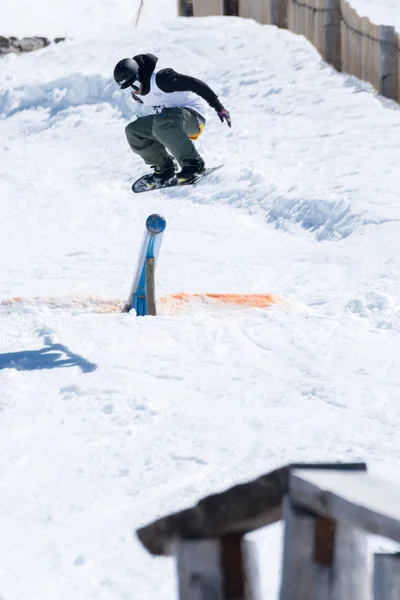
(126, 72)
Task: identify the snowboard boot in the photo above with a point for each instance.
(164, 173)
(191, 171)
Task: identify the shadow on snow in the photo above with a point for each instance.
(51, 356)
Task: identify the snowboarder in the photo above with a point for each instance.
(177, 106)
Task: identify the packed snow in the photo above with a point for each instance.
(108, 421)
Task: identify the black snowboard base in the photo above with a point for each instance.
(146, 183)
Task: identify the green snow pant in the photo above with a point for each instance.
(151, 136)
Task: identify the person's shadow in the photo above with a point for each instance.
(51, 356)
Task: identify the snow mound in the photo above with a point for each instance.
(379, 308)
(61, 94)
(327, 219)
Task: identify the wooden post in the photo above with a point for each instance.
(251, 569)
(231, 8)
(185, 8)
(298, 546)
(217, 569)
(389, 85)
(387, 577)
(279, 13)
(322, 558)
(333, 50)
(199, 570)
(150, 287)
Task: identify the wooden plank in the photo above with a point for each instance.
(364, 500)
(266, 10)
(185, 8)
(309, 15)
(322, 559)
(283, 16)
(388, 85)
(365, 50)
(200, 575)
(252, 570)
(231, 8)
(243, 8)
(239, 566)
(357, 44)
(344, 45)
(298, 576)
(386, 577)
(345, 34)
(217, 569)
(290, 15)
(372, 55)
(294, 16)
(303, 10)
(277, 12)
(398, 62)
(319, 24)
(376, 72)
(207, 8)
(356, 41)
(332, 44)
(241, 509)
(351, 41)
(251, 9)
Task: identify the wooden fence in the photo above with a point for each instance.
(345, 40)
(328, 510)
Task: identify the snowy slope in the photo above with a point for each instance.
(108, 421)
(381, 12)
(80, 18)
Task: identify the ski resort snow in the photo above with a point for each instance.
(108, 420)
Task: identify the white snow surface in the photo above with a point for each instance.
(80, 18)
(108, 421)
(380, 12)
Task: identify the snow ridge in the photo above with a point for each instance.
(61, 94)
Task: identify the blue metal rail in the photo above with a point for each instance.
(155, 226)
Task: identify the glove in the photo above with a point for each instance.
(224, 116)
(136, 98)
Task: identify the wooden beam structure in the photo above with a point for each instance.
(360, 499)
(241, 509)
(328, 510)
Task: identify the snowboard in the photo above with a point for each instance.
(145, 183)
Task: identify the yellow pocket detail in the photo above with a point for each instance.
(197, 135)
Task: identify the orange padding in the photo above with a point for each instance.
(86, 303)
(197, 135)
(253, 300)
(100, 305)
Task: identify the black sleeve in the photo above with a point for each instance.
(170, 81)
